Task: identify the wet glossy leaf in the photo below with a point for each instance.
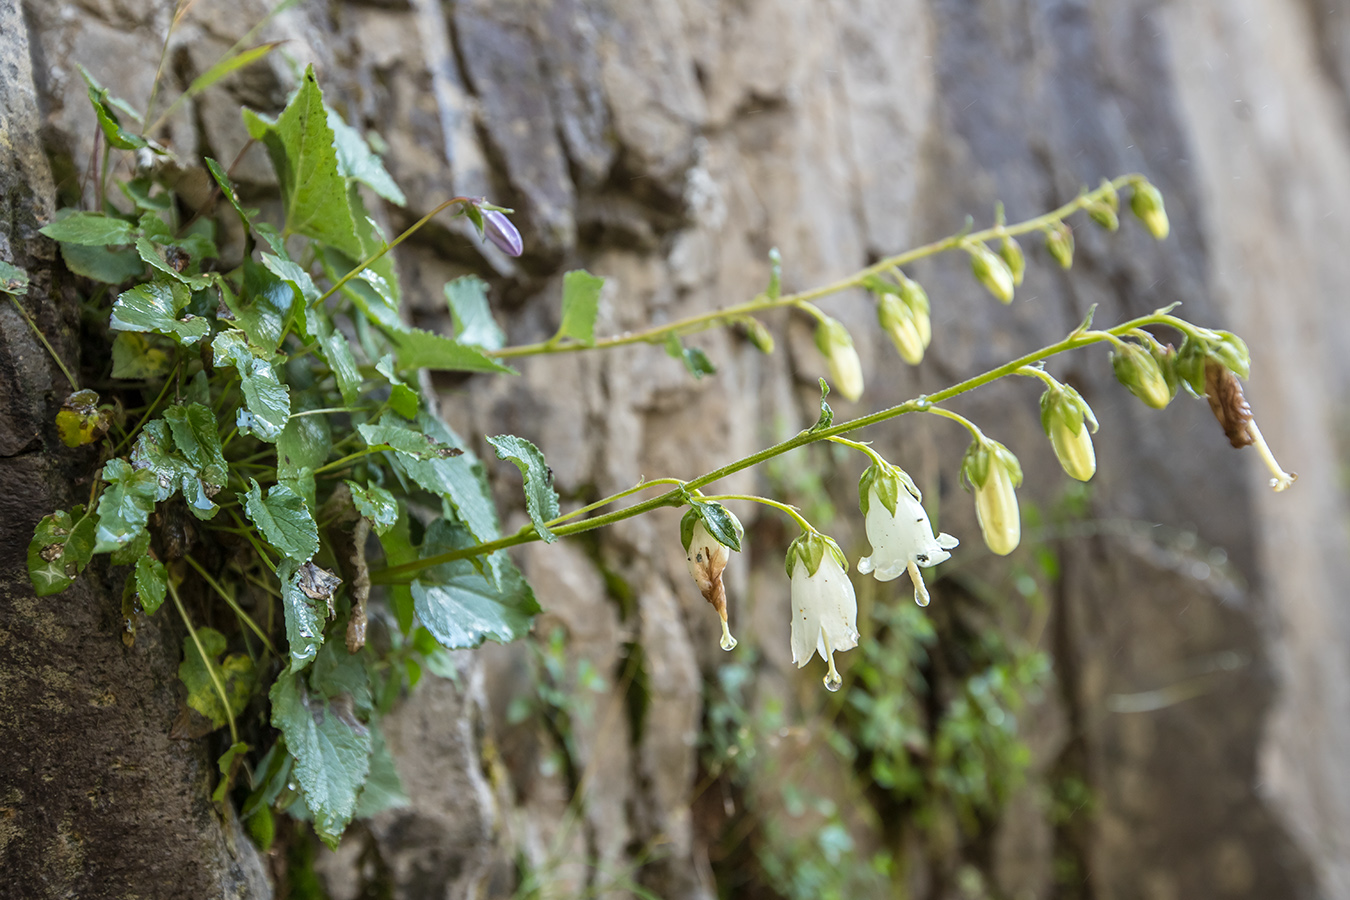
(195, 434)
(467, 298)
(541, 500)
(284, 520)
(125, 505)
(62, 546)
(304, 617)
(158, 258)
(402, 399)
(155, 453)
(235, 672)
(81, 421)
(694, 359)
(376, 504)
(268, 402)
(331, 749)
(581, 304)
(155, 306)
(151, 583)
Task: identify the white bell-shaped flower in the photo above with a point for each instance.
(824, 606)
(898, 528)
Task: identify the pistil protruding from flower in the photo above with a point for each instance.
(898, 528)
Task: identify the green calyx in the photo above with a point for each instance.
(1064, 407)
(887, 481)
(809, 549)
(1142, 373)
(981, 457)
(721, 523)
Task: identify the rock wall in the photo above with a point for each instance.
(668, 146)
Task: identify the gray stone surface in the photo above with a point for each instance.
(668, 146)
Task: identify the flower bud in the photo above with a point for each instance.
(1066, 418)
(898, 321)
(916, 298)
(1147, 204)
(1109, 195)
(498, 229)
(1011, 252)
(833, 340)
(993, 473)
(1103, 215)
(992, 271)
(755, 332)
(1140, 372)
(1059, 241)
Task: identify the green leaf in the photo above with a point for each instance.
(313, 192)
(402, 399)
(303, 445)
(235, 673)
(775, 287)
(264, 307)
(227, 766)
(90, 229)
(581, 304)
(376, 504)
(125, 505)
(694, 359)
(135, 356)
(458, 479)
(140, 191)
(331, 748)
(398, 549)
(468, 302)
(102, 264)
(383, 789)
(418, 349)
(62, 546)
(116, 135)
(151, 582)
(13, 280)
(265, 396)
(725, 528)
(226, 66)
(284, 520)
(291, 272)
(155, 307)
(146, 249)
(467, 607)
(304, 615)
(372, 241)
(81, 421)
(154, 452)
(195, 433)
(826, 414)
(128, 554)
(356, 161)
(541, 500)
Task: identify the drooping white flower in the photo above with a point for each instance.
(898, 528)
(824, 606)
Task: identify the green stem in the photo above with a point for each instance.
(1037, 372)
(248, 620)
(412, 229)
(862, 448)
(339, 463)
(974, 429)
(210, 666)
(252, 539)
(75, 385)
(149, 411)
(612, 499)
(331, 409)
(790, 510)
(761, 303)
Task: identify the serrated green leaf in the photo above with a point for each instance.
(284, 520)
(146, 249)
(376, 504)
(234, 671)
(381, 273)
(826, 414)
(541, 500)
(125, 505)
(356, 161)
(266, 397)
(264, 307)
(383, 789)
(134, 356)
(581, 304)
(90, 229)
(402, 399)
(466, 607)
(313, 192)
(13, 280)
(154, 453)
(302, 448)
(468, 302)
(62, 545)
(457, 479)
(152, 580)
(292, 273)
(197, 437)
(418, 349)
(721, 524)
(102, 264)
(127, 554)
(304, 615)
(155, 307)
(331, 748)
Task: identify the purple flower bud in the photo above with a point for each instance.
(498, 229)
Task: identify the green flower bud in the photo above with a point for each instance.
(1147, 204)
(1109, 195)
(1059, 241)
(1067, 418)
(1011, 252)
(899, 322)
(833, 340)
(991, 270)
(917, 299)
(1103, 215)
(993, 473)
(756, 333)
(1138, 370)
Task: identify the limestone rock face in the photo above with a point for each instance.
(1200, 681)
